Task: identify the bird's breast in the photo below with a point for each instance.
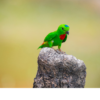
(62, 37)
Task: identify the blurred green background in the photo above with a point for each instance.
(25, 23)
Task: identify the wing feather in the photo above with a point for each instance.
(50, 36)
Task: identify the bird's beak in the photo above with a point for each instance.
(67, 32)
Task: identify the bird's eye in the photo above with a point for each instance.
(62, 28)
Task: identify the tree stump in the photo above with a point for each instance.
(59, 70)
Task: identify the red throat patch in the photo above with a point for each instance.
(62, 36)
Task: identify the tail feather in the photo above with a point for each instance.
(40, 46)
(44, 44)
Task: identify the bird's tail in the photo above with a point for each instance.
(44, 44)
(41, 46)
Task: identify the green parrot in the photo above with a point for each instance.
(56, 38)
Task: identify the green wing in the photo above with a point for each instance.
(50, 36)
(64, 39)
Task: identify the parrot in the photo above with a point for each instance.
(56, 38)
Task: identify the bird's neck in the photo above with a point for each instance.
(58, 32)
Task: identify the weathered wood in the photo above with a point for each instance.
(59, 70)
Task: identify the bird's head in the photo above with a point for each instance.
(63, 29)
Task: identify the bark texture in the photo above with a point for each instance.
(59, 70)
